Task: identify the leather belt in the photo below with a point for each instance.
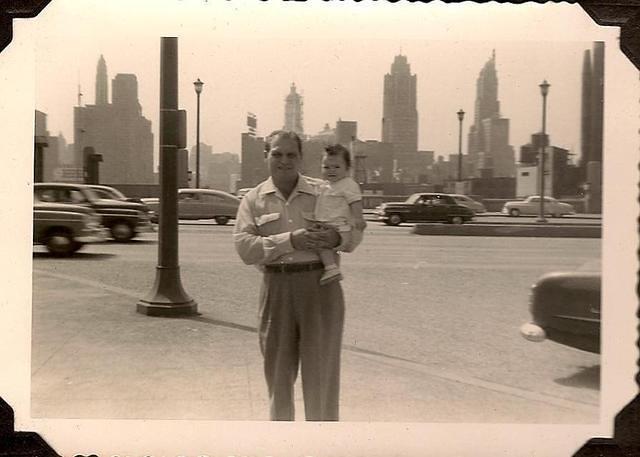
(294, 267)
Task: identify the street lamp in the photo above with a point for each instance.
(198, 86)
(460, 118)
(544, 90)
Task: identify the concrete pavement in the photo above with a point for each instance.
(97, 358)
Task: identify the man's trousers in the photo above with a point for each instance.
(301, 323)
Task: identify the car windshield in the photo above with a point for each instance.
(90, 194)
(111, 194)
(412, 198)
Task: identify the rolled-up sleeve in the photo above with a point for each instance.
(253, 248)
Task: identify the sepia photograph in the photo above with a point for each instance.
(384, 228)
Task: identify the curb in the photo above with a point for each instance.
(547, 231)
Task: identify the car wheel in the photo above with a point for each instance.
(60, 243)
(122, 231)
(457, 220)
(76, 247)
(515, 212)
(221, 220)
(556, 215)
(395, 219)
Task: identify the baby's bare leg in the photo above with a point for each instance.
(328, 258)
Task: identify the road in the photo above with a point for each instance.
(437, 315)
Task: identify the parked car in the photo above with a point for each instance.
(424, 207)
(202, 204)
(111, 193)
(531, 207)
(123, 219)
(565, 308)
(63, 229)
(469, 202)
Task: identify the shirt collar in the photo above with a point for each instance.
(303, 185)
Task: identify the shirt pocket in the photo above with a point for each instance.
(263, 219)
(263, 223)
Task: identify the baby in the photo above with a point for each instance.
(339, 204)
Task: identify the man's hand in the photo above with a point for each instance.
(318, 236)
(325, 236)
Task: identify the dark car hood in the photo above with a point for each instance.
(107, 204)
(44, 206)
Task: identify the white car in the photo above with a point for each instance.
(531, 207)
(469, 202)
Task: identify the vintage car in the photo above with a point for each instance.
(531, 207)
(64, 229)
(424, 207)
(202, 204)
(111, 193)
(123, 219)
(474, 205)
(565, 308)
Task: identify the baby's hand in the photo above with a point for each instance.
(360, 224)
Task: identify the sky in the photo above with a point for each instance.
(62, 45)
(248, 54)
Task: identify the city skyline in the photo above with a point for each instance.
(351, 87)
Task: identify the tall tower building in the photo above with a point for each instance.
(585, 115)
(592, 104)
(400, 116)
(489, 151)
(592, 123)
(597, 101)
(102, 83)
(293, 111)
(125, 93)
(117, 131)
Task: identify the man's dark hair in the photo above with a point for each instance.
(282, 134)
(339, 150)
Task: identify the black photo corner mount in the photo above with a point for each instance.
(626, 440)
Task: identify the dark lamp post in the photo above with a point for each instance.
(544, 90)
(198, 86)
(460, 118)
(167, 296)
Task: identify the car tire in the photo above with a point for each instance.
(60, 243)
(122, 231)
(221, 220)
(457, 220)
(556, 215)
(76, 247)
(394, 219)
(514, 212)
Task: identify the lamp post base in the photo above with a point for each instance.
(167, 297)
(541, 220)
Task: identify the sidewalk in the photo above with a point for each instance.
(95, 357)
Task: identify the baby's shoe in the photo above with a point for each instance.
(330, 275)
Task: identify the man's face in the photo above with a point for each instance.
(284, 159)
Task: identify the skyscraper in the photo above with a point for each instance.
(102, 83)
(293, 111)
(592, 104)
(400, 116)
(489, 151)
(592, 123)
(585, 118)
(117, 131)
